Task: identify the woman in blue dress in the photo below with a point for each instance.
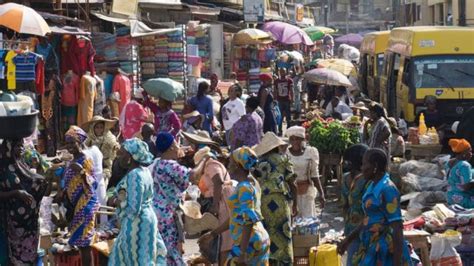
(459, 172)
(381, 232)
(203, 104)
(139, 241)
(266, 103)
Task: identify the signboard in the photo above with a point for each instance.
(254, 11)
(299, 12)
(125, 7)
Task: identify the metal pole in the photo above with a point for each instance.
(326, 7)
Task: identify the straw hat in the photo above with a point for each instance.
(96, 119)
(360, 106)
(355, 120)
(190, 115)
(195, 222)
(269, 142)
(202, 137)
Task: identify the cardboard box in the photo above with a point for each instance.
(303, 243)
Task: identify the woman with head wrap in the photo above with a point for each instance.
(305, 160)
(134, 201)
(99, 135)
(170, 181)
(459, 174)
(79, 194)
(251, 241)
(274, 172)
(353, 188)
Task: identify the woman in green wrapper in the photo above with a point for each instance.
(275, 175)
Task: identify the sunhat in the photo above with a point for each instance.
(269, 142)
(360, 106)
(202, 137)
(96, 119)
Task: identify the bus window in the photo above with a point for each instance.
(379, 64)
(370, 65)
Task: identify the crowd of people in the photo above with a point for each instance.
(148, 158)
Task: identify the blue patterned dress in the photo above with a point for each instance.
(139, 241)
(381, 203)
(458, 175)
(170, 181)
(245, 210)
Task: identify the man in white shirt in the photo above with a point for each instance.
(233, 109)
(340, 107)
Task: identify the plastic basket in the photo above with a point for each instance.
(68, 259)
(301, 261)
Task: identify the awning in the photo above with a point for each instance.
(51, 16)
(68, 30)
(203, 10)
(137, 28)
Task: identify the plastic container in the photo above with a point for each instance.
(18, 127)
(422, 129)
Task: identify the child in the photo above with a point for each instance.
(148, 130)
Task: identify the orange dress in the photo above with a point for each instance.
(87, 95)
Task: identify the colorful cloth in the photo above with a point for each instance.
(121, 84)
(70, 91)
(375, 131)
(245, 157)
(25, 66)
(275, 175)
(80, 192)
(381, 204)
(245, 209)
(132, 119)
(34, 160)
(167, 121)
(139, 151)
(19, 221)
(139, 241)
(87, 96)
(458, 175)
(247, 131)
(11, 70)
(352, 201)
(170, 181)
(77, 134)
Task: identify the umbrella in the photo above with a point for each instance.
(23, 19)
(322, 29)
(164, 88)
(287, 33)
(340, 65)
(292, 56)
(251, 36)
(351, 38)
(314, 34)
(327, 76)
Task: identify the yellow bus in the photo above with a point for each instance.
(428, 60)
(371, 62)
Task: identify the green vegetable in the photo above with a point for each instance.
(332, 137)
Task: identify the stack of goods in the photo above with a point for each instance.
(250, 62)
(161, 56)
(176, 55)
(199, 35)
(305, 235)
(106, 51)
(306, 226)
(147, 55)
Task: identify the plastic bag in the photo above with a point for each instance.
(421, 169)
(426, 199)
(443, 252)
(414, 183)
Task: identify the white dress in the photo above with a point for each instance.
(305, 164)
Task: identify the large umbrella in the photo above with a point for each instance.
(342, 66)
(328, 77)
(23, 19)
(351, 39)
(251, 36)
(314, 34)
(321, 29)
(164, 88)
(287, 33)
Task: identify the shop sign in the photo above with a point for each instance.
(299, 12)
(125, 7)
(254, 11)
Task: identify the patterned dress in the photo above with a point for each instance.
(276, 171)
(19, 226)
(139, 241)
(458, 175)
(245, 207)
(83, 199)
(381, 203)
(170, 181)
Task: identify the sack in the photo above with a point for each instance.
(443, 252)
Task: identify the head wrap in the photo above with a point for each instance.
(296, 131)
(164, 141)
(138, 150)
(31, 154)
(202, 154)
(77, 134)
(459, 145)
(265, 77)
(245, 157)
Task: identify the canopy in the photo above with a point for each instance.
(251, 36)
(342, 66)
(328, 77)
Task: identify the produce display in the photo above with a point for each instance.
(332, 136)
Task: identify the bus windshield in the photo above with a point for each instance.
(443, 71)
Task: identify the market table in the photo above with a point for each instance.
(420, 240)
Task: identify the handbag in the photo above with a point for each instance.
(303, 186)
